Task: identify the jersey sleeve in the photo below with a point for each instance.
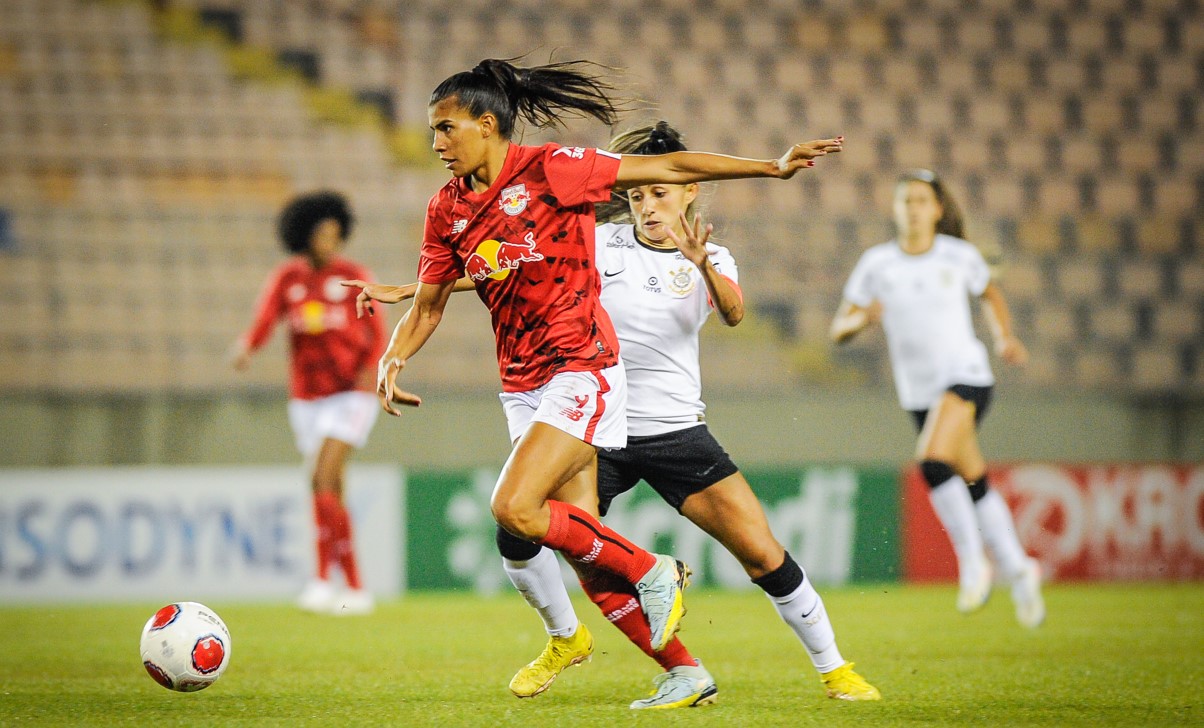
(437, 263)
(723, 261)
(725, 265)
(268, 309)
(578, 175)
(859, 289)
(978, 273)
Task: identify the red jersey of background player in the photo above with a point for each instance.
(528, 243)
(330, 346)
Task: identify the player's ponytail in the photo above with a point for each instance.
(951, 222)
(542, 96)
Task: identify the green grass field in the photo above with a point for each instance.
(1108, 655)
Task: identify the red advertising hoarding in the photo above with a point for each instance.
(1084, 522)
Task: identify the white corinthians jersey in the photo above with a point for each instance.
(926, 315)
(657, 301)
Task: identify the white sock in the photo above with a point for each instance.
(540, 583)
(999, 533)
(804, 611)
(955, 509)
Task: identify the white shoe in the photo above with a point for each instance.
(1026, 595)
(317, 597)
(971, 597)
(353, 602)
(681, 687)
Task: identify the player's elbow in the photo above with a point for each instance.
(734, 315)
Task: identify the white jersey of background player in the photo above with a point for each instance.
(919, 285)
(926, 315)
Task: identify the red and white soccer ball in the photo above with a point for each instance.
(185, 647)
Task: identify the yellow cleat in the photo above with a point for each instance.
(560, 652)
(844, 684)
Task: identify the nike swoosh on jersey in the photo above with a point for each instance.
(608, 274)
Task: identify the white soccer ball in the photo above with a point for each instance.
(185, 647)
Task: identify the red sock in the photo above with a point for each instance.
(619, 605)
(323, 521)
(580, 536)
(342, 545)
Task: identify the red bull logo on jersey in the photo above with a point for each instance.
(513, 199)
(496, 258)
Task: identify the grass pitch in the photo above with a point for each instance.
(1108, 655)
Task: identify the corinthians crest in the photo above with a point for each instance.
(680, 281)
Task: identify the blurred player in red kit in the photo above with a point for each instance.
(332, 376)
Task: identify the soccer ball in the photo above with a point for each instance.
(185, 647)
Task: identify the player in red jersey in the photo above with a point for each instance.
(331, 376)
(519, 221)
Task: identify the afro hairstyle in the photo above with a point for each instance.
(301, 215)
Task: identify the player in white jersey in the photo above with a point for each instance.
(919, 286)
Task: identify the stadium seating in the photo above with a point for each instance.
(146, 147)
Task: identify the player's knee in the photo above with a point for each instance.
(514, 548)
(513, 516)
(936, 472)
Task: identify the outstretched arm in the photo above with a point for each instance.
(851, 319)
(386, 293)
(685, 167)
(415, 327)
(999, 320)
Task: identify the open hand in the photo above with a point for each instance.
(804, 154)
(693, 243)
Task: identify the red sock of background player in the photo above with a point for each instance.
(343, 543)
(323, 517)
(617, 600)
(580, 536)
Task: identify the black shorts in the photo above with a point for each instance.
(676, 465)
(980, 396)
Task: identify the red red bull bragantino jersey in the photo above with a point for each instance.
(329, 346)
(528, 243)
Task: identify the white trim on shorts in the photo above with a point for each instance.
(347, 417)
(590, 406)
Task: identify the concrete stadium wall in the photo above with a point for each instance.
(458, 429)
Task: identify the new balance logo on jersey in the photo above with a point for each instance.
(458, 226)
(570, 152)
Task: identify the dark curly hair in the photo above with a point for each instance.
(300, 216)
